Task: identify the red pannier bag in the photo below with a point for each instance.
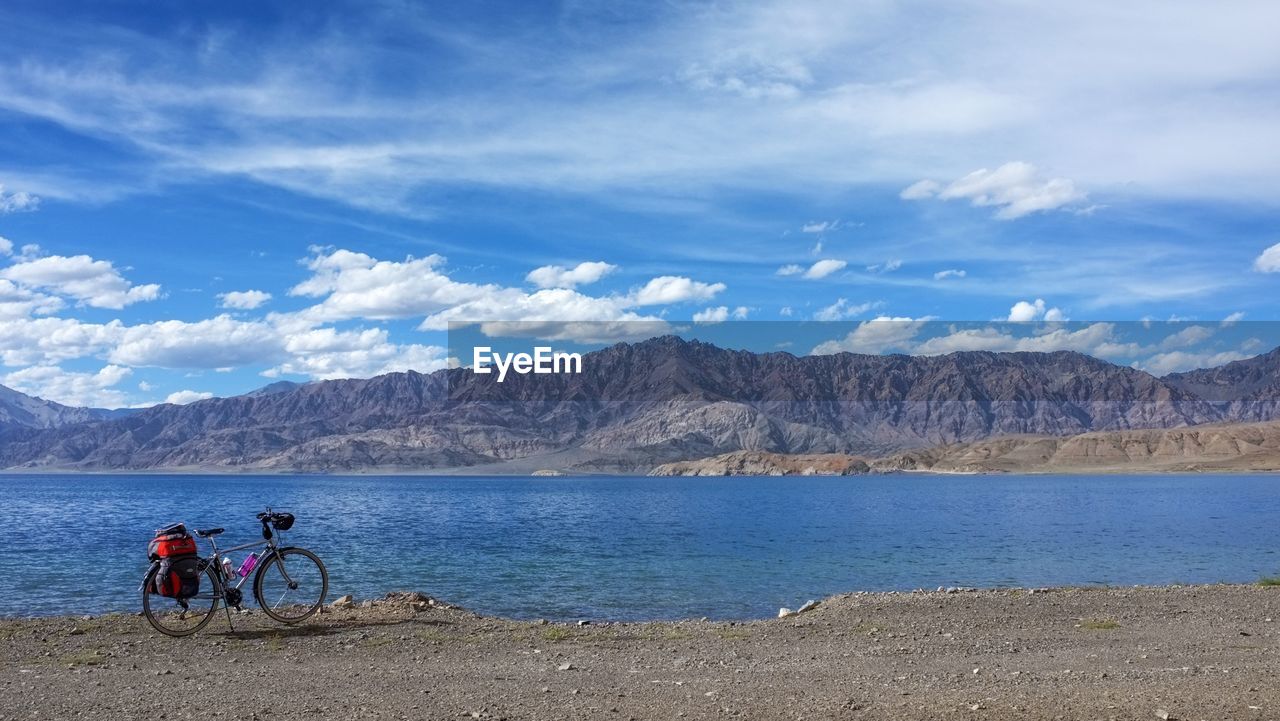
(171, 541)
(179, 572)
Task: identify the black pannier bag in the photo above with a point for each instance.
(178, 577)
(283, 521)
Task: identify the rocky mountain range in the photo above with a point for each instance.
(18, 410)
(638, 405)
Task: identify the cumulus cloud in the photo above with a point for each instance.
(1095, 339)
(824, 268)
(91, 282)
(71, 388)
(17, 202)
(244, 299)
(356, 285)
(555, 276)
(327, 353)
(1022, 312)
(6, 246)
(878, 335)
(45, 341)
(1233, 318)
(1015, 189)
(217, 342)
(1269, 260)
(1179, 360)
(949, 273)
(790, 269)
(720, 314)
(668, 289)
(841, 309)
(181, 398)
(19, 302)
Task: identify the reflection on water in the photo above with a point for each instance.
(632, 548)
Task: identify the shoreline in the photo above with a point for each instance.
(1191, 652)
(437, 473)
(397, 596)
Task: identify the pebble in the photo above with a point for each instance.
(565, 667)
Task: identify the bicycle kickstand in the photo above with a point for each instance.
(231, 625)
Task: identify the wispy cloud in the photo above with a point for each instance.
(1015, 189)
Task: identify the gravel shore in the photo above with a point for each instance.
(1190, 652)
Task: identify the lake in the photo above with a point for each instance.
(649, 548)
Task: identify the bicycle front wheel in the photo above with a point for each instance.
(291, 585)
(174, 617)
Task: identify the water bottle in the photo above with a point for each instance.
(226, 567)
(249, 562)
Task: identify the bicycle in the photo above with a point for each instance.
(290, 583)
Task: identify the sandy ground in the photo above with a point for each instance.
(1198, 652)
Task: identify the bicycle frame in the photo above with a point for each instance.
(215, 561)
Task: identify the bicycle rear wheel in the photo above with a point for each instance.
(291, 585)
(174, 617)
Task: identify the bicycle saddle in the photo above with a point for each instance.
(209, 532)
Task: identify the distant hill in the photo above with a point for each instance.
(18, 410)
(637, 405)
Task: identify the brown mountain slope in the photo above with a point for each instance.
(1220, 447)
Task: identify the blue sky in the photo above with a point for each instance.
(201, 198)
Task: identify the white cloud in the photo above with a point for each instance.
(326, 354)
(802, 93)
(48, 341)
(244, 299)
(6, 246)
(1096, 339)
(1178, 361)
(1022, 312)
(71, 388)
(181, 398)
(555, 276)
(1232, 319)
(1187, 337)
(720, 314)
(824, 268)
(217, 342)
(920, 190)
(786, 311)
(668, 289)
(790, 269)
(17, 202)
(875, 336)
(822, 226)
(19, 302)
(886, 267)
(91, 282)
(841, 310)
(949, 273)
(355, 285)
(1269, 260)
(1014, 188)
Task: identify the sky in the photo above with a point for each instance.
(202, 198)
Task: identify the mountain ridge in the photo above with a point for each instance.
(637, 405)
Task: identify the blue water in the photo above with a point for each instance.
(647, 548)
